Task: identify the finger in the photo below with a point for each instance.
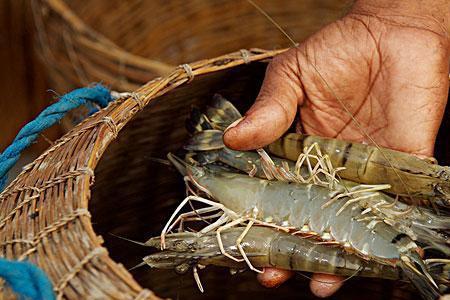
(324, 285)
(274, 277)
(274, 109)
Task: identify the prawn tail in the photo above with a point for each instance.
(418, 273)
(219, 114)
(206, 140)
(440, 271)
(198, 121)
(207, 128)
(443, 188)
(222, 113)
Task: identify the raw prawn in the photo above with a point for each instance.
(300, 209)
(266, 247)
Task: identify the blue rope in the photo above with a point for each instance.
(28, 134)
(26, 279)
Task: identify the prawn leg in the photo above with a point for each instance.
(197, 279)
(222, 220)
(320, 165)
(182, 204)
(251, 222)
(241, 249)
(187, 216)
(220, 242)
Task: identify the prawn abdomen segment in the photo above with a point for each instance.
(300, 206)
(267, 247)
(408, 175)
(291, 254)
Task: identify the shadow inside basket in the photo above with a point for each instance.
(133, 196)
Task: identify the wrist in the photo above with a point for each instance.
(422, 13)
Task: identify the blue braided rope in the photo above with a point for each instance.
(97, 94)
(26, 279)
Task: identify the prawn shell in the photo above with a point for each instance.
(407, 174)
(272, 201)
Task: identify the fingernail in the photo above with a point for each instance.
(234, 124)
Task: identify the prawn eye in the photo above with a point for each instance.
(182, 269)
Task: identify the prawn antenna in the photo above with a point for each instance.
(137, 266)
(340, 281)
(346, 109)
(158, 160)
(128, 240)
(268, 17)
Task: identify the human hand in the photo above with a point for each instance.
(387, 61)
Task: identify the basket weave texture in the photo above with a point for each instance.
(127, 43)
(44, 213)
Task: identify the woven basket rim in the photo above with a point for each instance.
(105, 124)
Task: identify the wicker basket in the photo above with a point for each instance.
(127, 43)
(54, 215)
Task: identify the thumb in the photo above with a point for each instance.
(274, 109)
